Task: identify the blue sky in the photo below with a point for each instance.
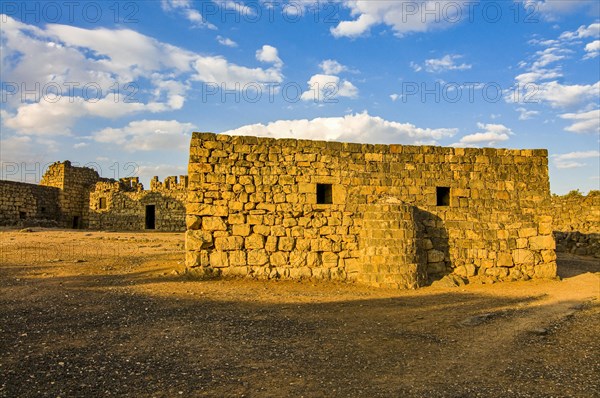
(120, 86)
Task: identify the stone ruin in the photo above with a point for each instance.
(77, 197)
(576, 223)
(386, 215)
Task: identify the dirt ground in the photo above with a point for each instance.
(87, 314)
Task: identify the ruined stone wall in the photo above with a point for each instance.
(576, 223)
(28, 205)
(122, 205)
(252, 208)
(75, 184)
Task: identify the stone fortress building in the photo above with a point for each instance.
(385, 215)
(76, 197)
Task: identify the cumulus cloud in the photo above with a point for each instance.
(583, 122)
(147, 135)
(403, 16)
(111, 61)
(447, 62)
(332, 67)
(269, 54)
(570, 160)
(358, 127)
(328, 88)
(592, 49)
(564, 95)
(490, 135)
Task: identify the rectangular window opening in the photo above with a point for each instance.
(102, 203)
(22, 215)
(150, 217)
(324, 194)
(443, 196)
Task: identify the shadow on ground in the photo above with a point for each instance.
(93, 335)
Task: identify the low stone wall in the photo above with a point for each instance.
(576, 221)
(24, 204)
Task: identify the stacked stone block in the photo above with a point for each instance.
(121, 205)
(388, 247)
(28, 205)
(576, 223)
(246, 193)
(75, 184)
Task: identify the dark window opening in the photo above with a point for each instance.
(22, 215)
(102, 203)
(43, 209)
(76, 222)
(324, 194)
(443, 196)
(150, 217)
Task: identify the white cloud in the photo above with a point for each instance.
(524, 114)
(569, 160)
(80, 145)
(327, 88)
(564, 95)
(553, 9)
(592, 30)
(226, 41)
(359, 127)
(491, 135)
(592, 49)
(185, 8)
(394, 97)
(219, 71)
(416, 67)
(584, 122)
(147, 135)
(403, 16)
(332, 67)
(109, 59)
(447, 62)
(54, 119)
(269, 54)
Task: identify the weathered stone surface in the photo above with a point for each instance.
(229, 243)
(213, 224)
(197, 240)
(254, 241)
(372, 213)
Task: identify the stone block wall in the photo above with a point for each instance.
(75, 184)
(576, 223)
(28, 205)
(388, 248)
(123, 205)
(476, 212)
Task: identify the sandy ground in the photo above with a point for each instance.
(86, 314)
